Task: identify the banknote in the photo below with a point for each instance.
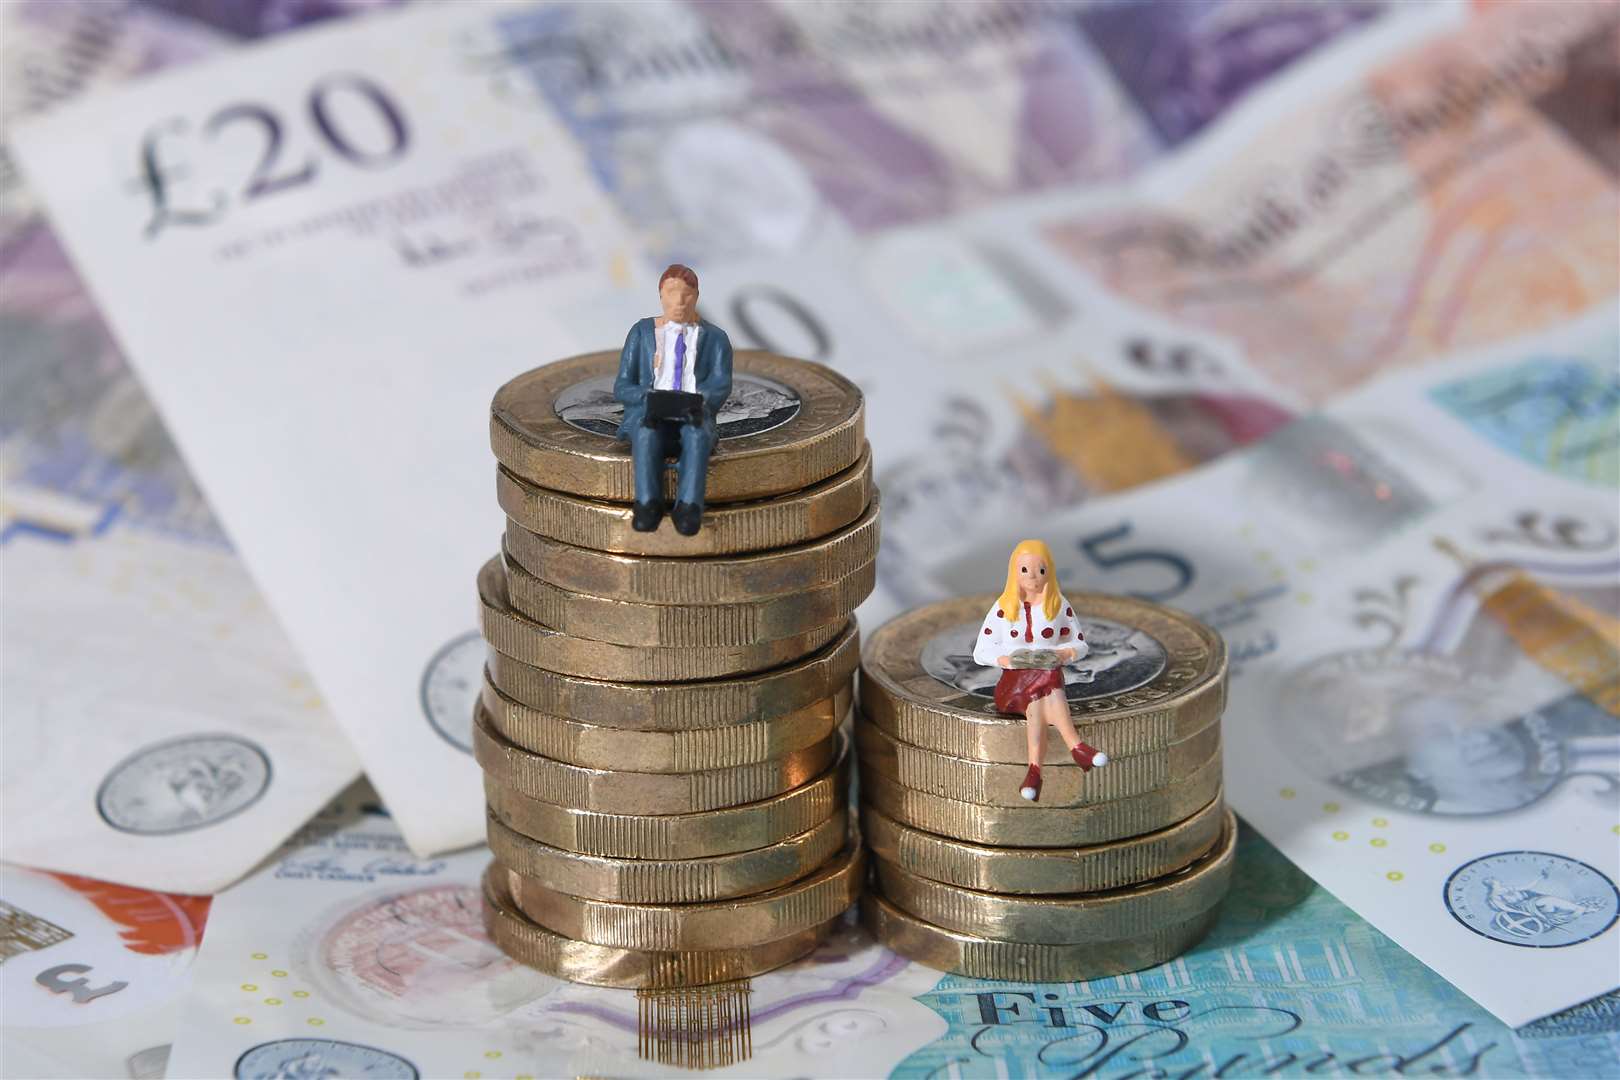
(93, 974)
(1187, 377)
(1004, 377)
(1459, 193)
(262, 18)
(54, 52)
(1512, 408)
(441, 214)
(373, 170)
(997, 375)
(770, 126)
(724, 132)
(345, 954)
(1185, 64)
(1420, 589)
(159, 729)
(867, 218)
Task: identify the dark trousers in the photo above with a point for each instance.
(652, 444)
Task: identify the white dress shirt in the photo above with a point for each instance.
(664, 370)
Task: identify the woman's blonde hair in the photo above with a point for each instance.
(1009, 601)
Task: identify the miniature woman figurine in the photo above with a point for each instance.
(1031, 632)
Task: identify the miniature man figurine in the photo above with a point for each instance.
(1031, 632)
(674, 375)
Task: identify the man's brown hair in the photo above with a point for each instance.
(684, 273)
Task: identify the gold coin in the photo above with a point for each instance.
(638, 706)
(1037, 824)
(787, 424)
(657, 879)
(1111, 915)
(1154, 675)
(597, 747)
(782, 912)
(994, 737)
(1043, 870)
(728, 528)
(602, 965)
(983, 958)
(686, 625)
(676, 836)
(638, 792)
(996, 784)
(533, 643)
(645, 579)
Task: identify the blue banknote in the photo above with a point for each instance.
(1560, 413)
(1290, 983)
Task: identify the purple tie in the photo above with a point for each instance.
(680, 355)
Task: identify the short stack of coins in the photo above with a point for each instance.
(1114, 869)
(659, 725)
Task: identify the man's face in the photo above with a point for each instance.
(679, 300)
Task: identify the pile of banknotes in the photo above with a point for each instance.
(1114, 869)
(1298, 316)
(658, 725)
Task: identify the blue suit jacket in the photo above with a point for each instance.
(712, 371)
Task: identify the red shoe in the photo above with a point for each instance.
(1031, 788)
(1088, 757)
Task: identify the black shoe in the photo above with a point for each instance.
(688, 518)
(644, 517)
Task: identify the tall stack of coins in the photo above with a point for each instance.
(659, 722)
(1112, 870)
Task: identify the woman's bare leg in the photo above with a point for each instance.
(1035, 732)
(1055, 708)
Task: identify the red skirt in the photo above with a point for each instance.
(1017, 687)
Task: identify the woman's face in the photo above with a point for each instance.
(1032, 575)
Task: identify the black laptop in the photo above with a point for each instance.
(675, 406)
